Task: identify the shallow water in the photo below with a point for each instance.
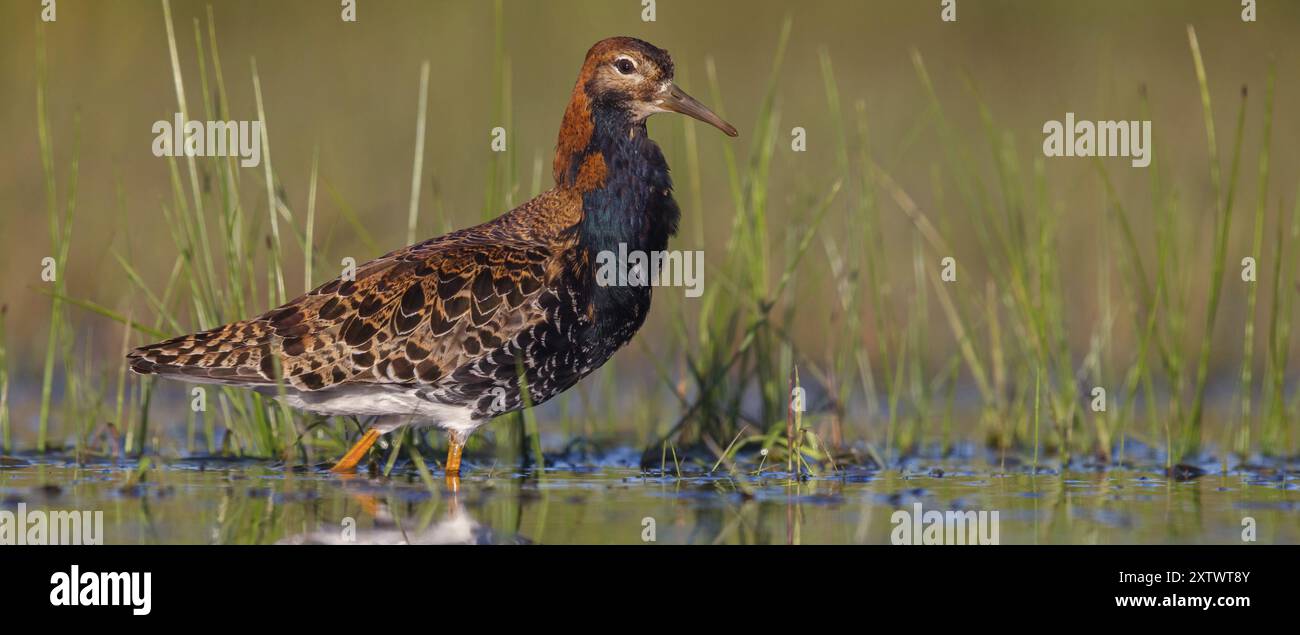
(221, 501)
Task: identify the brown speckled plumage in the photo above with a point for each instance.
(440, 331)
(413, 317)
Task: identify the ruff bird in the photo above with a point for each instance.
(450, 332)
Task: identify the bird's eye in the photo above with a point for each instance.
(624, 65)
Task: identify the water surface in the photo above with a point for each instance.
(219, 501)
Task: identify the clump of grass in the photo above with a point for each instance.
(846, 358)
(876, 288)
(738, 344)
(1241, 441)
(60, 230)
(1164, 309)
(1276, 434)
(214, 278)
(1223, 224)
(1015, 224)
(1016, 234)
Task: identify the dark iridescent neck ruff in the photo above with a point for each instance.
(632, 207)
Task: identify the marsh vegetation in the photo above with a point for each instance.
(1071, 275)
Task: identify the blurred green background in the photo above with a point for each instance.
(351, 89)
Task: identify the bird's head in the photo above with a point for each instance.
(623, 81)
(637, 77)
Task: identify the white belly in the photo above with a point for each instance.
(396, 405)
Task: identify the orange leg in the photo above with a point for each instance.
(349, 461)
(454, 448)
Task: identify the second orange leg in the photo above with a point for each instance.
(349, 461)
(454, 449)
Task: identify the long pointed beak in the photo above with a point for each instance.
(676, 100)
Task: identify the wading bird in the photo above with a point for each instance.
(452, 331)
